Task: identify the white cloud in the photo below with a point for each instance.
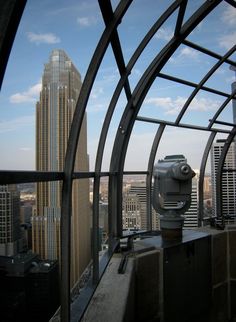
(173, 106)
(227, 41)
(29, 96)
(97, 92)
(86, 21)
(204, 104)
(229, 16)
(165, 102)
(164, 34)
(21, 98)
(17, 123)
(38, 38)
(184, 54)
(95, 108)
(188, 52)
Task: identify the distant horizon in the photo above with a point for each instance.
(83, 22)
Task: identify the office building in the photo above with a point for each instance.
(228, 179)
(61, 83)
(135, 208)
(191, 215)
(10, 234)
(29, 288)
(131, 211)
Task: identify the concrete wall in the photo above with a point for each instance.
(137, 295)
(223, 275)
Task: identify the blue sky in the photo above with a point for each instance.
(76, 27)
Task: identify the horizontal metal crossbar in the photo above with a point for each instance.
(181, 125)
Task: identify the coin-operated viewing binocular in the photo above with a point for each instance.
(172, 193)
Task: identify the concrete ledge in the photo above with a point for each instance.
(147, 286)
(114, 297)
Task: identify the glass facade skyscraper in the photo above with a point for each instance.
(61, 83)
(10, 235)
(228, 179)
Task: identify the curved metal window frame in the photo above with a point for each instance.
(130, 116)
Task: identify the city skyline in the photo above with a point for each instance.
(34, 42)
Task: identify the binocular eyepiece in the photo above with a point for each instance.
(172, 191)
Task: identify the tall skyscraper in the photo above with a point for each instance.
(10, 234)
(61, 83)
(228, 179)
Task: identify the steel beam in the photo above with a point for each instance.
(71, 154)
(202, 82)
(220, 109)
(139, 93)
(181, 125)
(151, 161)
(201, 178)
(10, 15)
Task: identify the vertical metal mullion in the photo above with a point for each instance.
(180, 18)
(95, 231)
(119, 222)
(151, 160)
(71, 152)
(108, 14)
(112, 210)
(66, 248)
(201, 178)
